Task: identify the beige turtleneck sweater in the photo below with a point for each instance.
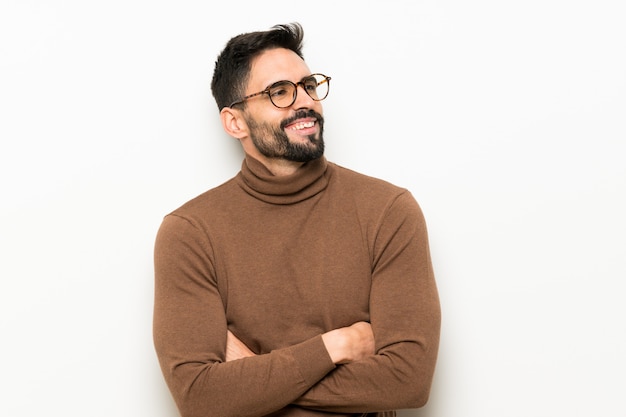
(279, 261)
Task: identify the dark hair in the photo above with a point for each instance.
(233, 65)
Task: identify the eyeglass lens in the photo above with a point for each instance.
(283, 93)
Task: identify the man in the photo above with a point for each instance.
(297, 288)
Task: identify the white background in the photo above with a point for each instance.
(506, 119)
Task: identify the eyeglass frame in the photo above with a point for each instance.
(295, 91)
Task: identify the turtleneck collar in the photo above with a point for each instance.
(259, 182)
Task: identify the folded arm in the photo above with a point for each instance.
(344, 345)
(198, 356)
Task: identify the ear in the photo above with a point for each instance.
(233, 123)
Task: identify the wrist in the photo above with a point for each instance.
(335, 343)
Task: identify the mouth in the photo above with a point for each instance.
(303, 126)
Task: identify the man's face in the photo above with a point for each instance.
(293, 133)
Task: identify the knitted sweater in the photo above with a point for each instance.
(278, 261)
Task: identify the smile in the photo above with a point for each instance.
(302, 125)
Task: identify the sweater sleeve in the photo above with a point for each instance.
(189, 330)
(405, 317)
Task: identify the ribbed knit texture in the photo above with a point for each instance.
(279, 261)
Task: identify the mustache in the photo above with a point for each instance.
(301, 114)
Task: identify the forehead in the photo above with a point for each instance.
(276, 65)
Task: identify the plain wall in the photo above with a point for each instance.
(505, 119)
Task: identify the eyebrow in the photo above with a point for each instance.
(283, 79)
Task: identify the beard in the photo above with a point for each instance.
(273, 142)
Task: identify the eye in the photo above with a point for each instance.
(310, 84)
(281, 89)
(278, 92)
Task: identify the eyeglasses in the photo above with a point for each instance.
(283, 93)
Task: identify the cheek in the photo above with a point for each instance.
(268, 116)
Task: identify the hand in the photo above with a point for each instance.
(349, 344)
(236, 349)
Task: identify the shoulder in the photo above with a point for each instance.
(362, 184)
(373, 193)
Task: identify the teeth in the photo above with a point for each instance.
(303, 125)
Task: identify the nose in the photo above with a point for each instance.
(303, 99)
